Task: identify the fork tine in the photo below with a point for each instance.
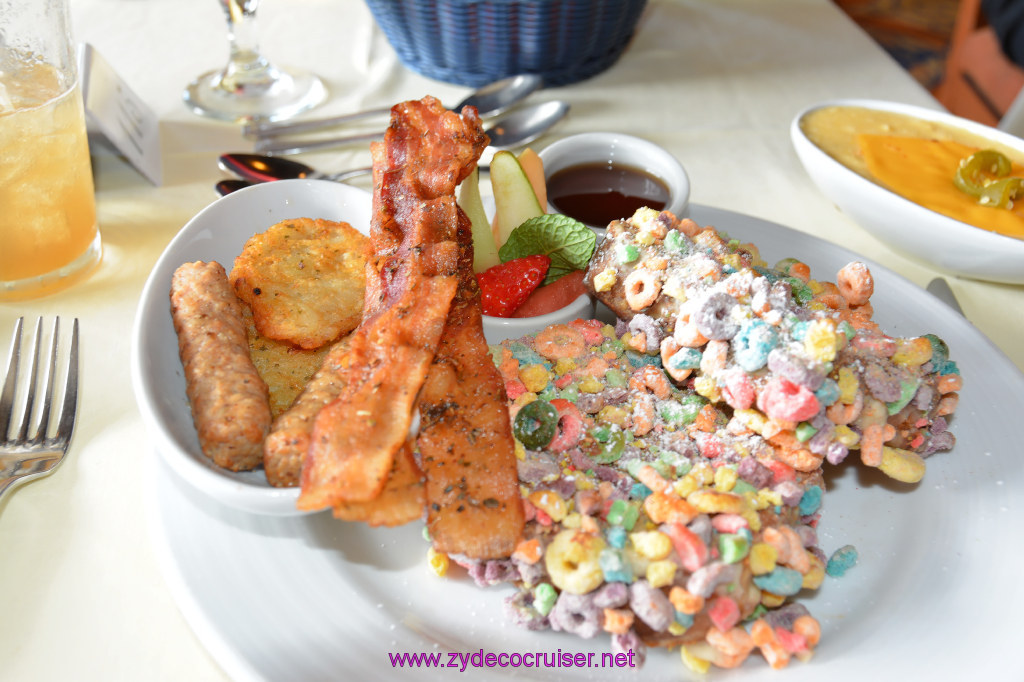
(66, 425)
(44, 413)
(7, 396)
(33, 374)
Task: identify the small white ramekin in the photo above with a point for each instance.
(626, 150)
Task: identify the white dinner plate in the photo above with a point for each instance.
(935, 595)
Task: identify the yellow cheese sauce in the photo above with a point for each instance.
(915, 158)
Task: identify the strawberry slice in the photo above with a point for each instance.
(504, 287)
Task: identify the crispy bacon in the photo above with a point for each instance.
(411, 279)
(401, 500)
(466, 445)
(356, 437)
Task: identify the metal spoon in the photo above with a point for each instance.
(521, 126)
(229, 185)
(225, 187)
(513, 130)
(490, 100)
(526, 124)
(259, 168)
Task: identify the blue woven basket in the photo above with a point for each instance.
(474, 42)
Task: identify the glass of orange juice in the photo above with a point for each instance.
(49, 237)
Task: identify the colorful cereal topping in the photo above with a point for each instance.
(671, 465)
(804, 355)
(654, 515)
(841, 561)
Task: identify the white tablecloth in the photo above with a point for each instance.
(716, 82)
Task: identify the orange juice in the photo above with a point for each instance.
(48, 232)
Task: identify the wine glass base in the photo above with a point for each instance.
(289, 93)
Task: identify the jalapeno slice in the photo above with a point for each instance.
(983, 175)
(1001, 193)
(535, 424)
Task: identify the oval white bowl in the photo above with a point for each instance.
(626, 150)
(497, 329)
(218, 233)
(911, 229)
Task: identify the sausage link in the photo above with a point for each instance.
(230, 402)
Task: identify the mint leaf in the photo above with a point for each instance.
(568, 242)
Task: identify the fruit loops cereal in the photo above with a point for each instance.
(671, 465)
(799, 361)
(655, 517)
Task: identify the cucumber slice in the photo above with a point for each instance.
(514, 199)
(485, 251)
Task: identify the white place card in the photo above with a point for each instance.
(123, 118)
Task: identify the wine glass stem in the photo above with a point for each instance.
(247, 67)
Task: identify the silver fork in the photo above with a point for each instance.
(23, 458)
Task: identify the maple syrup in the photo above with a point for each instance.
(598, 193)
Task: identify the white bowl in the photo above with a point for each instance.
(622, 149)
(907, 227)
(218, 233)
(497, 329)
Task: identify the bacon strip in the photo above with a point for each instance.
(466, 445)
(291, 432)
(401, 501)
(356, 437)
(411, 280)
